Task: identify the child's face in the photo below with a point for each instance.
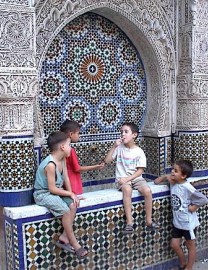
(176, 174)
(126, 135)
(66, 147)
(74, 136)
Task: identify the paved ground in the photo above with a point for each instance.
(201, 265)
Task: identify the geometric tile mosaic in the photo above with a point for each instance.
(194, 146)
(101, 232)
(93, 74)
(17, 163)
(16, 247)
(9, 245)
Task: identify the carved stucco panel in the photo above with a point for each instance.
(16, 116)
(15, 2)
(154, 99)
(201, 13)
(192, 114)
(200, 50)
(17, 37)
(18, 85)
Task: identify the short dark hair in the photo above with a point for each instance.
(55, 138)
(70, 126)
(134, 128)
(186, 167)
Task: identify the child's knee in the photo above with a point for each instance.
(126, 189)
(174, 244)
(146, 191)
(73, 206)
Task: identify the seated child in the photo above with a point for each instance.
(185, 200)
(130, 164)
(49, 192)
(72, 129)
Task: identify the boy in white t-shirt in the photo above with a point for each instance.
(130, 164)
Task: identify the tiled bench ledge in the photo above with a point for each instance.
(31, 232)
(100, 198)
(96, 199)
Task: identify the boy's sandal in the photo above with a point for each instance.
(65, 246)
(153, 226)
(81, 252)
(128, 229)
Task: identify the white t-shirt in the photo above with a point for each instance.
(128, 160)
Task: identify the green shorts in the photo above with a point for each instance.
(57, 205)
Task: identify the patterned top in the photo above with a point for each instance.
(182, 195)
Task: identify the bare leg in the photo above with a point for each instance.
(147, 193)
(127, 192)
(191, 245)
(176, 246)
(67, 222)
(72, 212)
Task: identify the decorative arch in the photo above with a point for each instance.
(146, 26)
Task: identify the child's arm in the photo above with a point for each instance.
(91, 167)
(197, 200)
(163, 178)
(50, 171)
(124, 180)
(109, 156)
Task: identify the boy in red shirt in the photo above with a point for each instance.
(72, 129)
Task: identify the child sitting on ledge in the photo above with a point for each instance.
(130, 164)
(49, 192)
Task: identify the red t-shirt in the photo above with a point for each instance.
(72, 164)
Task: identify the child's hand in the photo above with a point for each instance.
(192, 208)
(75, 199)
(118, 142)
(101, 165)
(123, 180)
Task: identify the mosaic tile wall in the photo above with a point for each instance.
(193, 146)
(162, 152)
(100, 230)
(92, 74)
(16, 170)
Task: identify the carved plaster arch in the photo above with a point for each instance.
(147, 28)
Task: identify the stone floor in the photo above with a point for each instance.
(200, 265)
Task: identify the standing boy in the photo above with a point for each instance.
(49, 192)
(130, 164)
(72, 129)
(185, 200)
